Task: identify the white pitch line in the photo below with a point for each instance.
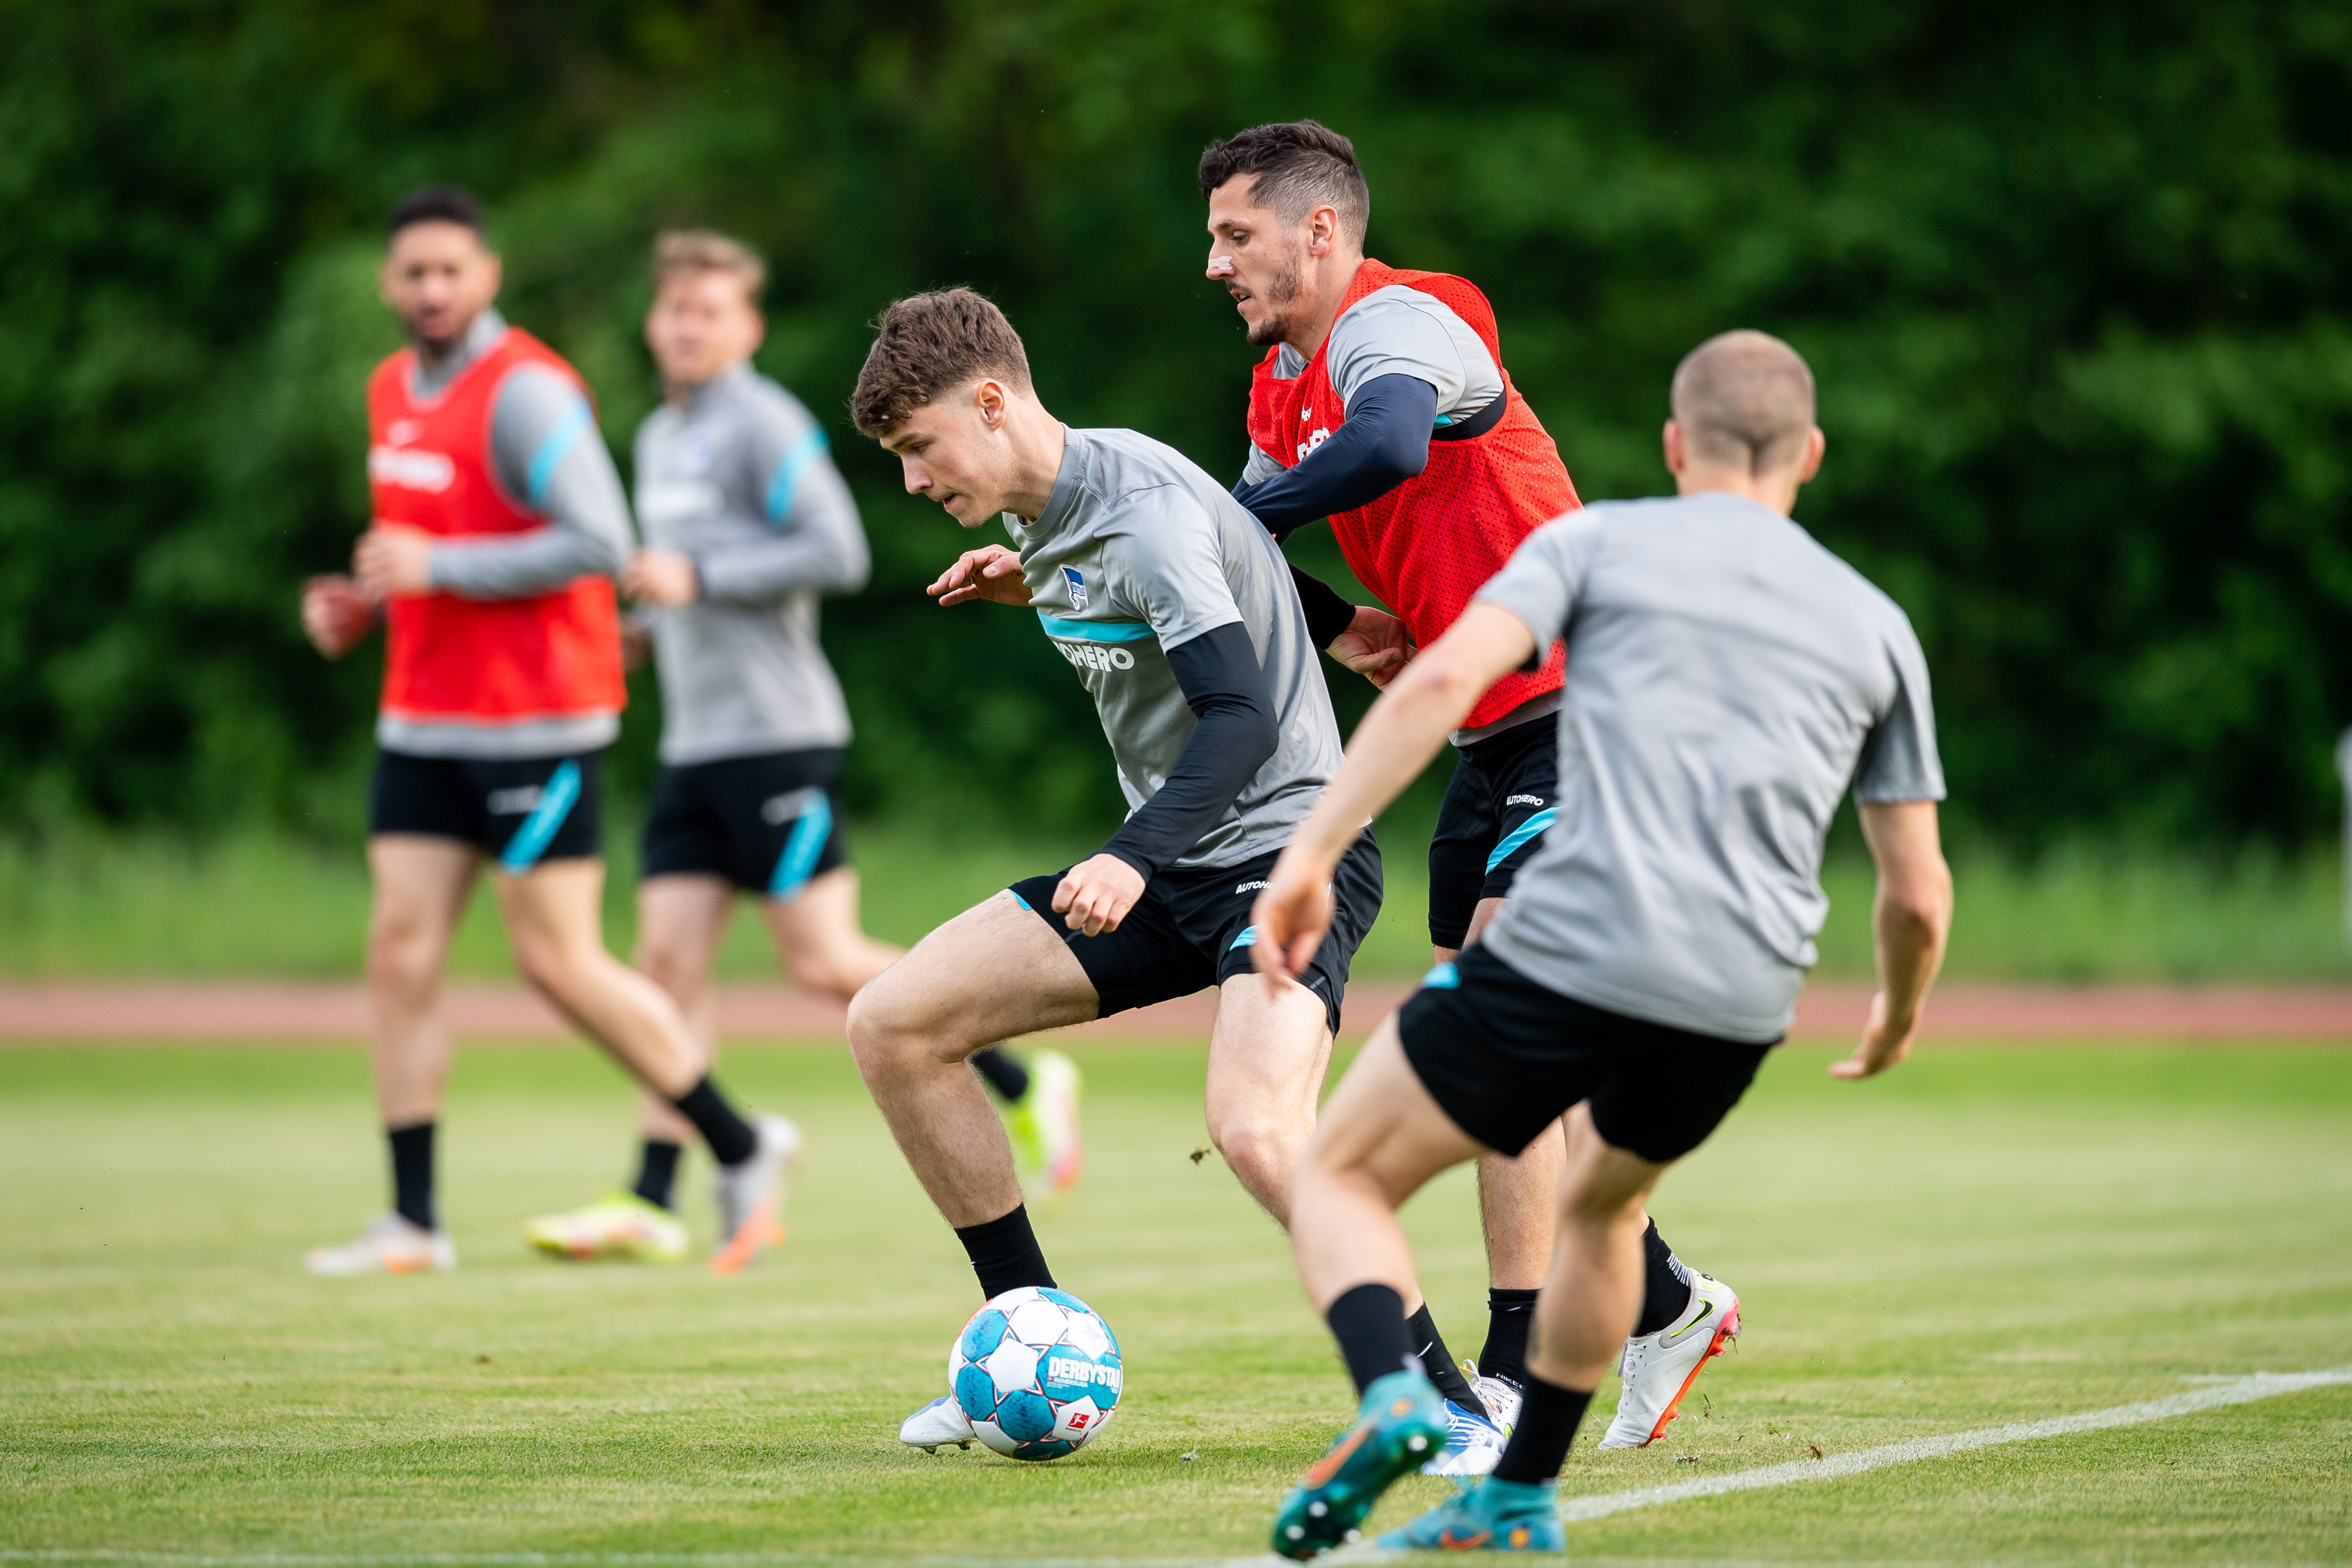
(1572, 1511)
(1601, 1505)
(2236, 1391)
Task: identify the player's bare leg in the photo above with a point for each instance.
(554, 917)
(1518, 1203)
(421, 885)
(1381, 1139)
(1594, 1290)
(681, 921)
(994, 972)
(1267, 1056)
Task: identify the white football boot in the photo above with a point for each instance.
(390, 1245)
(940, 1422)
(1473, 1445)
(751, 1196)
(1659, 1368)
(1500, 1396)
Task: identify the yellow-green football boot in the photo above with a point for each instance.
(1043, 1128)
(622, 1225)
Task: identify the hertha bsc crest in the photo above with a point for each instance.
(1077, 587)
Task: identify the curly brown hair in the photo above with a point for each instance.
(929, 344)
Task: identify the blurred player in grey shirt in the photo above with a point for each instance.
(747, 523)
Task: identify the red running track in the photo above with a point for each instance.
(324, 1013)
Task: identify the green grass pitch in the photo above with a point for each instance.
(1988, 1236)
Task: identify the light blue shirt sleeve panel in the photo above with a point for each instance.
(1899, 759)
(1166, 568)
(547, 455)
(788, 476)
(1541, 582)
(1401, 331)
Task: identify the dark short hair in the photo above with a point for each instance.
(1300, 166)
(1744, 399)
(929, 344)
(435, 204)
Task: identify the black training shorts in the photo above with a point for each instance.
(767, 823)
(522, 813)
(1190, 930)
(1492, 822)
(1503, 1057)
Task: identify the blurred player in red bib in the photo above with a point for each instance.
(1382, 404)
(497, 527)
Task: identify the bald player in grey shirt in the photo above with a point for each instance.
(1727, 679)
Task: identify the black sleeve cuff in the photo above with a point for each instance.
(1328, 614)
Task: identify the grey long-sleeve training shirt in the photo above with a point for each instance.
(737, 476)
(547, 458)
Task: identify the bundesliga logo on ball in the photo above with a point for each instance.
(1036, 1371)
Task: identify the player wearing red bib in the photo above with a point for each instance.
(498, 524)
(1382, 404)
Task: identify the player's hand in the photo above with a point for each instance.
(992, 572)
(335, 614)
(1375, 645)
(1095, 893)
(1292, 913)
(1884, 1042)
(662, 577)
(637, 645)
(392, 560)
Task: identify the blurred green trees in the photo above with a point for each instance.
(2073, 278)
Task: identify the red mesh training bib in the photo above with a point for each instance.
(1428, 546)
(551, 656)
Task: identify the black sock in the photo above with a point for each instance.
(1509, 1315)
(412, 1173)
(1369, 1322)
(1004, 1253)
(1546, 1425)
(1006, 1076)
(730, 1136)
(1438, 1361)
(657, 1173)
(1667, 1285)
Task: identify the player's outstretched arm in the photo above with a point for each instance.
(1911, 919)
(1387, 753)
(990, 572)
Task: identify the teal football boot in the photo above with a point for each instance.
(1492, 1516)
(1399, 1424)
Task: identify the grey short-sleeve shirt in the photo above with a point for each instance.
(737, 477)
(1727, 678)
(1397, 331)
(1139, 551)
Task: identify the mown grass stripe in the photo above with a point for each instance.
(2235, 1391)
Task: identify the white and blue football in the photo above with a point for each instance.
(1036, 1371)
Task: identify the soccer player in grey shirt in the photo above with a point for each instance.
(498, 522)
(1727, 679)
(747, 523)
(1175, 609)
